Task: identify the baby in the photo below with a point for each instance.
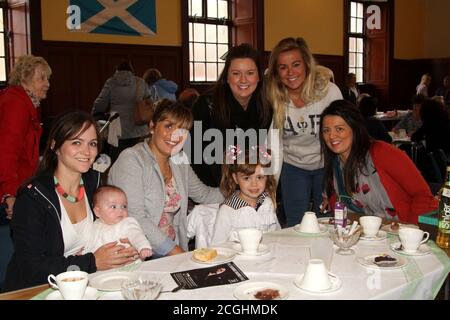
(113, 223)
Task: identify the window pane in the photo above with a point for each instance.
(196, 8)
(360, 13)
(2, 27)
(221, 50)
(191, 72)
(351, 60)
(199, 72)
(359, 75)
(353, 9)
(223, 9)
(199, 51)
(211, 34)
(359, 45)
(2, 69)
(222, 34)
(220, 67)
(199, 32)
(352, 44)
(211, 72)
(359, 25)
(211, 52)
(352, 70)
(190, 32)
(352, 25)
(359, 60)
(191, 52)
(212, 8)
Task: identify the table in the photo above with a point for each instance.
(420, 279)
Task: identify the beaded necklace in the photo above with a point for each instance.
(67, 196)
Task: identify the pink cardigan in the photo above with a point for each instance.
(408, 191)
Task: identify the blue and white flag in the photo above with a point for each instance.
(124, 17)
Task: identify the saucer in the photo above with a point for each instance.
(388, 229)
(336, 284)
(323, 230)
(223, 255)
(369, 262)
(381, 235)
(262, 249)
(248, 290)
(89, 294)
(110, 281)
(423, 250)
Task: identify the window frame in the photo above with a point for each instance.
(349, 34)
(5, 32)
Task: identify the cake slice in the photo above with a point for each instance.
(384, 260)
(205, 254)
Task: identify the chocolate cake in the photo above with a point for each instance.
(385, 260)
(267, 294)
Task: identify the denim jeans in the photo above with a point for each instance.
(298, 186)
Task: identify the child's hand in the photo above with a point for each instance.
(145, 253)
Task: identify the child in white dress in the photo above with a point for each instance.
(113, 223)
(249, 192)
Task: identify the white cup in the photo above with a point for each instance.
(316, 276)
(71, 284)
(249, 239)
(322, 248)
(401, 133)
(309, 223)
(370, 225)
(412, 238)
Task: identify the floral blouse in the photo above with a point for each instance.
(171, 208)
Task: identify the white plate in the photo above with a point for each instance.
(89, 294)
(368, 261)
(262, 249)
(110, 281)
(336, 284)
(248, 290)
(323, 229)
(381, 235)
(388, 229)
(423, 249)
(223, 255)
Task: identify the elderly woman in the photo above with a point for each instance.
(53, 214)
(299, 90)
(20, 132)
(158, 181)
(372, 177)
(237, 102)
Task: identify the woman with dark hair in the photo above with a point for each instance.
(237, 102)
(376, 128)
(372, 177)
(53, 213)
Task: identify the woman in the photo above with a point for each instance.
(422, 87)
(158, 87)
(52, 213)
(158, 180)
(371, 177)
(120, 94)
(20, 132)
(237, 102)
(298, 90)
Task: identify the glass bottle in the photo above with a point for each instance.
(443, 236)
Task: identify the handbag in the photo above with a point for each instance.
(143, 110)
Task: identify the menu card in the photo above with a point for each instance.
(217, 275)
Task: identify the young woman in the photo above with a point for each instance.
(298, 90)
(52, 213)
(158, 182)
(372, 177)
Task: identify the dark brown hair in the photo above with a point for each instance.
(102, 189)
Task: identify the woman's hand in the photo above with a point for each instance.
(9, 209)
(325, 206)
(175, 250)
(112, 255)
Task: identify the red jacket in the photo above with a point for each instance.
(20, 131)
(408, 191)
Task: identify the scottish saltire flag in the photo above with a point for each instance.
(124, 17)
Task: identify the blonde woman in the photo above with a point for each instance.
(299, 90)
(422, 87)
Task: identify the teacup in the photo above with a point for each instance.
(309, 223)
(370, 225)
(412, 238)
(316, 276)
(71, 284)
(249, 239)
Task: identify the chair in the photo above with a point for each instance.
(438, 161)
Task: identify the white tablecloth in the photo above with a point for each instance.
(421, 278)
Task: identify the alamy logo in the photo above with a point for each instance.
(373, 17)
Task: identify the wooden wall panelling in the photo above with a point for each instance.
(336, 64)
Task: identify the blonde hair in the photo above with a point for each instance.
(314, 88)
(227, 184)
(25, 67)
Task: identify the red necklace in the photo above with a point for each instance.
(67, 196)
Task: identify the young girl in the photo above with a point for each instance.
(249, 193)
